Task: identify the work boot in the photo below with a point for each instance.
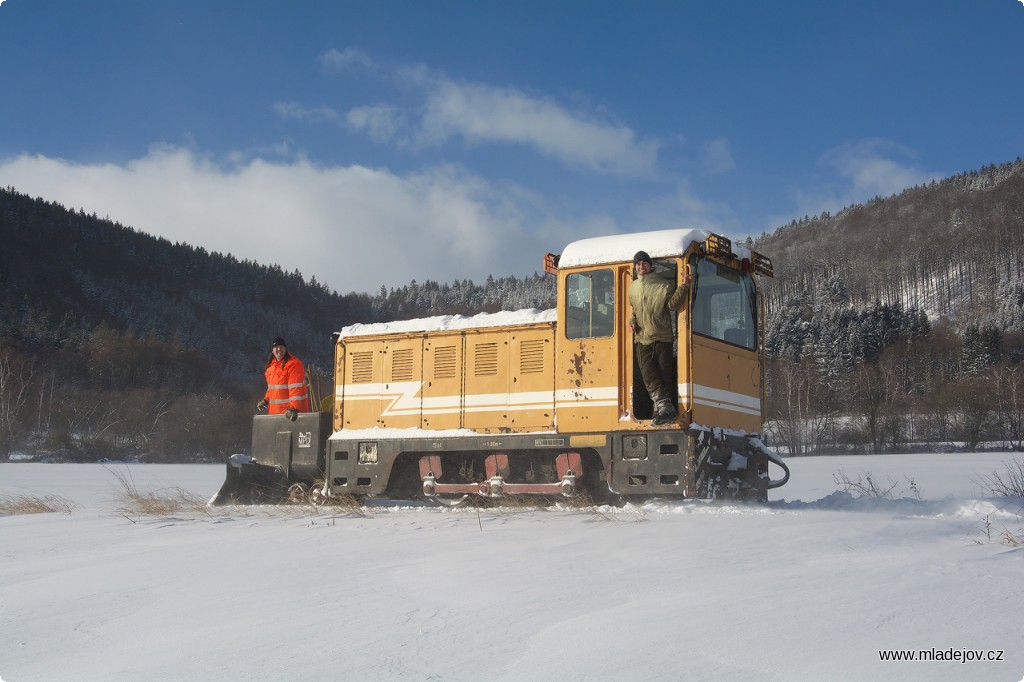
(664, 412)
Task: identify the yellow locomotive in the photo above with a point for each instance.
(541, 402)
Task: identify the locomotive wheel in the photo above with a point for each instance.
(317, 497)
(298, 493)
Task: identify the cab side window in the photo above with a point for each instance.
(590, 304)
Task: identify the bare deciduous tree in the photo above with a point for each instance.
(801, 409)
(16, 374)
(1008, 381)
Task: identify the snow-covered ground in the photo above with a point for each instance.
(811, 586)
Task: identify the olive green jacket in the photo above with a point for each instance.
(654, 299)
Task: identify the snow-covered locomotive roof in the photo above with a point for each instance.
(621, 247)
(505, 318)
(615, 248)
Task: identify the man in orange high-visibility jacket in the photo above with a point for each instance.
(287, 392)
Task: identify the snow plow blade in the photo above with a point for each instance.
(249, 482)
(286, 456)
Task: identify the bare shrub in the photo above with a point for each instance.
(1005, 535)
(1011, 538)
(35, 504)
(350, 504)
(1008, 484)
(304, 498)
(163, 502)
(866, 485)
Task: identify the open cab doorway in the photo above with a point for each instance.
(641, 404)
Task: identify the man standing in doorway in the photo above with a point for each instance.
(654, 300)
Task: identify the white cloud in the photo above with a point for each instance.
(483, 113)
(349, 59)
(293, 110)
(381, 122)
(871, 171)
(352, 227)
(684, 209)
(857, 172)
(718, 156)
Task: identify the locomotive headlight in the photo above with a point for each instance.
(368, 453)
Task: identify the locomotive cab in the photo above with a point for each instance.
(719, 357)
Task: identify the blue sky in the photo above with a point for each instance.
(372, 143)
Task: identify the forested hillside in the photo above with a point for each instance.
(953, 248)
(899, 322)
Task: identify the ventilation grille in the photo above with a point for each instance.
(362, 367)
(486, 360)
(531, 356)
(444, 363)
(401, 365)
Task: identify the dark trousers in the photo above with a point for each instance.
(657, 366)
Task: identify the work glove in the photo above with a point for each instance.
(261, 406)
(291, 413)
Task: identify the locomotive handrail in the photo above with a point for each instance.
(762, 331)
(688, 272)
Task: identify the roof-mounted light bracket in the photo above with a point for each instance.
(717, 245)
(762, 264)
(551, 263)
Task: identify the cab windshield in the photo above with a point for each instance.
(724, 303)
